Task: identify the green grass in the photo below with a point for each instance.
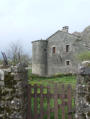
(45, 109)
(56, 79)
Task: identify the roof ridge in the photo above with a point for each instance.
(59, 31)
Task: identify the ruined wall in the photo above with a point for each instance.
(83, 92)
(13, 93)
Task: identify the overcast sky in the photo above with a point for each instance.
(28, 20)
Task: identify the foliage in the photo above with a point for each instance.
(84, 56)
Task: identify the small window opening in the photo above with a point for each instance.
(45, 49)
(67, 62)
(67, 48)
(54, 50)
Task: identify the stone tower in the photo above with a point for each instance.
(39, 57)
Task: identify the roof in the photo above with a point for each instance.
(54, 35)
(39, 41)
(60, 31)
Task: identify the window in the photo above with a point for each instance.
(54, 50)
(45, 49)
(67, 48)
(67, 62)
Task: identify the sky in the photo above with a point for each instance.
(29, 20)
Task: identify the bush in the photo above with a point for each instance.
(84, 56)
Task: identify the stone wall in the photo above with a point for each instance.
(39, 57)
(57, 62)
(13, 93)
(83, 92)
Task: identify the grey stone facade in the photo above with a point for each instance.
(13, 93)
(47, 63)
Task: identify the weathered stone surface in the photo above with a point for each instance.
(83, 92)
(13, 93)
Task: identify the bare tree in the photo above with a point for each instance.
(16, 54)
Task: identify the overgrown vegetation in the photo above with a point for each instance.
(84, 56)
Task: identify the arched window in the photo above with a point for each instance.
(53, 50)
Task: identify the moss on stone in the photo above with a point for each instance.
(9, 80)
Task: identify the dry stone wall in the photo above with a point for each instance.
(13, 93)
(83, 92)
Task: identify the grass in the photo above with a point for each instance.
(51, 106)
(56, 79)
(50, 81)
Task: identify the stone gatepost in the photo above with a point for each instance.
(83, 92)
(2, 98)
(13, 93)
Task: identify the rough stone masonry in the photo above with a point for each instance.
(83, 92)
(13, 92)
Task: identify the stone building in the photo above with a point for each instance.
(58, 53)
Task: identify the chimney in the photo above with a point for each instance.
(65, 28)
